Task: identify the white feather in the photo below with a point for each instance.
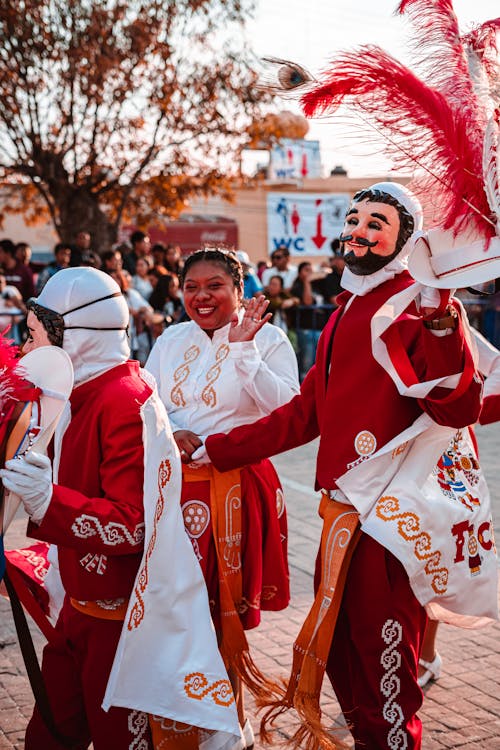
(491, 167)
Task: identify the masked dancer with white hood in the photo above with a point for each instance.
(115, 493)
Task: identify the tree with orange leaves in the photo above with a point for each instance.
(114, 109)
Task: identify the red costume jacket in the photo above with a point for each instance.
(96, 513)
(357, 397)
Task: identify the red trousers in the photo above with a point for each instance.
(373, 660)
(76, 670)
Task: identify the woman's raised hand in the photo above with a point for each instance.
(252, 321)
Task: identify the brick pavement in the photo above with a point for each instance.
(461, 710)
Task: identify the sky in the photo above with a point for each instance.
(310, 32)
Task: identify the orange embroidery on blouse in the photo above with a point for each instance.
(197, 686)
(208, 394)
(409, 528)
(137, 611)
(181, 374)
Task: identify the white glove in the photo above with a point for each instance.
(200, 455)
(30, 477)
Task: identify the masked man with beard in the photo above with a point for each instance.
(116, 484)
(371, 382)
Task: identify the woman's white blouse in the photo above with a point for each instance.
(210, 385)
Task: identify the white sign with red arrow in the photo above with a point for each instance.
(295, 159)
(305, 223)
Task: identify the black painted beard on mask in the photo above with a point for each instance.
(369, 263)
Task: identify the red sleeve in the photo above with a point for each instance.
(450, 354)
(114, 522)
(287, 427)
(422, 355)
(490, 410)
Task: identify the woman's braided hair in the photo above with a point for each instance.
(225, 258)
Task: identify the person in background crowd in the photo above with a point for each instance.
(140, 280)
(23, 256)
(24, 253)
(141, 248)
(111, 261)
(166, 298)
(91, 259)
(81, 245)
(329, 286)
(16, 273)
(280, 302)
(173, 259)
(155, 273)
(141, 314)
(261, 267)
(251, 282)
(281, 267)
(158, 252)
(197, 366)
(12, 310)
(62, 257)
(308, 323)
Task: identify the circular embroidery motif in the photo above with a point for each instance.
(196, 516)
(280, 502)
(365, 443)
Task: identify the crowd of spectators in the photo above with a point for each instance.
(149, 277)
(300, 296)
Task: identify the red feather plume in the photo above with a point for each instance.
(438, 49)
(13, 384)
(435, 122)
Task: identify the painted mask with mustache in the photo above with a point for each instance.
(376, 228)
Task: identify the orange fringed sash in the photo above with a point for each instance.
(225, 504)
(339, 537)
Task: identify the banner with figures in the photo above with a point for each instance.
(295, 159)
(305, 223)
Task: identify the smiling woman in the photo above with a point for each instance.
(222, 369)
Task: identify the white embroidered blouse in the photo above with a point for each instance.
(211, 385)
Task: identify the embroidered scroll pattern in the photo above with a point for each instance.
(111, 533)
(38, 563)
(390, 685)
(208, 394)
(231, 544)
(197, 686)
(137, 611)
(408, 525)
(245, 604)
(181, 374)
(138, 725)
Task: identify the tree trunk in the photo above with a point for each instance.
(79, 211)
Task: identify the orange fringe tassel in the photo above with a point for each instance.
(310, 652)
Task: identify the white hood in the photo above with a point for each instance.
(96, 318)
